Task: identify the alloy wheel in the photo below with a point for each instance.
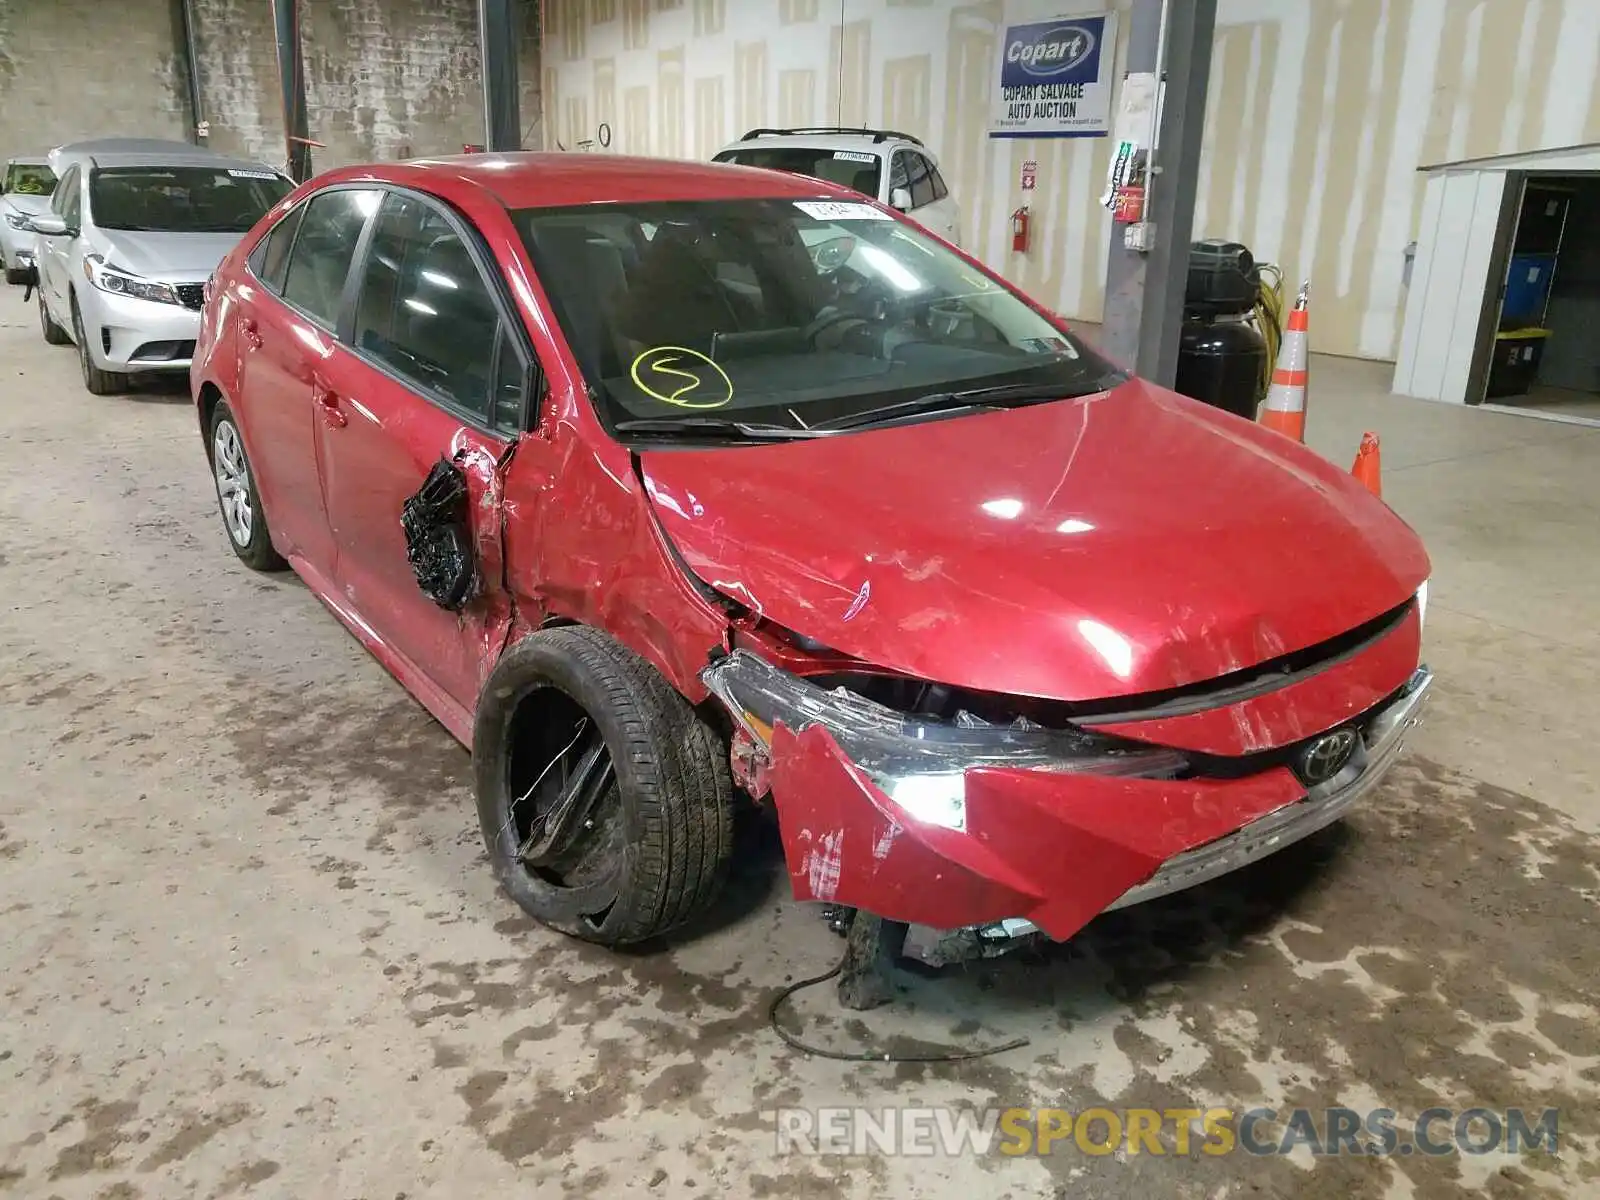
(233, 482)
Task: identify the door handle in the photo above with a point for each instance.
(332, 415)
(252, 332)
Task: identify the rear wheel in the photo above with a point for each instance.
(53, 333)
(237, 497)
(605, 802)
(99, 383)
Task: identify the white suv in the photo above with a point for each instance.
(891, 167)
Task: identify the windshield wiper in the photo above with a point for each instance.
(700, 427)
(985, 399)
(943, 403)
(1022, 392)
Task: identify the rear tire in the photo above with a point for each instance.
(53, 333)
(653, 852)
(99, 383)
(243, 518)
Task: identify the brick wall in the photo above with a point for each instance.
(237, 48)
(384, 78)
(71, 69)
(389, 80)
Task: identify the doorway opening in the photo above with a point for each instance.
(1538, 348)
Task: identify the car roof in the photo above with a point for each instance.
(820, 141)
(554, 180)
(143, 152)
(167, 160)
(831, 137)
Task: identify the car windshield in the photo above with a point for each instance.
(791, 315)
(183, 199)
(855, 169)
(29, 179)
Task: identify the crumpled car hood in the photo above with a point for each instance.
(1108, 546)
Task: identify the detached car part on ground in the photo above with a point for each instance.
(659, 484)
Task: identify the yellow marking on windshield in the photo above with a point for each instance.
(680, 363)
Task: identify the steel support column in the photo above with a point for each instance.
(292, 78)
(1144, 290)
(183, 22)
(499, 36)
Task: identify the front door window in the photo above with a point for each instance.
(425, 311)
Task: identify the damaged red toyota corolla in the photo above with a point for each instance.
(662, 485)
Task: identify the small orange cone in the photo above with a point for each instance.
(1285, 408)
(1368, 464)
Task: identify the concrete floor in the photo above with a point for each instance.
(1556, 401)
(251, 946)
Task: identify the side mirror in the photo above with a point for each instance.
(900, 198)
(49, 225)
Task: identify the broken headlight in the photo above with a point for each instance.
(918, 762)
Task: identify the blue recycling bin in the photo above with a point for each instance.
(1527, 288)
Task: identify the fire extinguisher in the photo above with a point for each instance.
(1019, 230)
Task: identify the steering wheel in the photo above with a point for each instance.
(827, 319)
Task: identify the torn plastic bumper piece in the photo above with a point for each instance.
(1042, 843)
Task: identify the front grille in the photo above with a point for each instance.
(1240, 685)
(1212, 766)
(191, 295)
(163, 352)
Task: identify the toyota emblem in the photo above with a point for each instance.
(1326, 756)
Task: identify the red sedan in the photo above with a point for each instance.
(664, 486)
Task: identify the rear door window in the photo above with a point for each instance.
(426, 311)
(270, 260)
(319, 263)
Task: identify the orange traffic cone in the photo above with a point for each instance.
(1368, 464)
(1285, 407)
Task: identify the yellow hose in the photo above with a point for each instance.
(1268, 315)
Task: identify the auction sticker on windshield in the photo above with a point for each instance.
(841, 210)
(251, 174)
(855, 156)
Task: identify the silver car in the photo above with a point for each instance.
(25, 189)
(135, 227)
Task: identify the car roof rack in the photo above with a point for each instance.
(877, 135)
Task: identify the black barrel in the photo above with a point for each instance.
(1220, 364)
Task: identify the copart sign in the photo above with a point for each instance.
(1055, 78)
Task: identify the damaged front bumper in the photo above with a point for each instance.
(1034, 845)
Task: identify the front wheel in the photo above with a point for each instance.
(237, 496)
(99, 383)
(605, 802)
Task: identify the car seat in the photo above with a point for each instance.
(675, 299)
(586, 276)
